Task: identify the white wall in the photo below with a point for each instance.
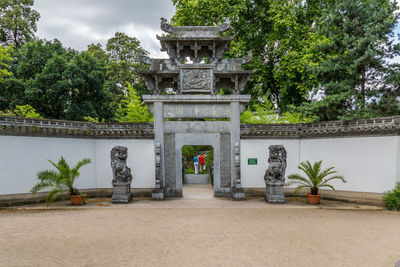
(141, 160)
(253, 175)
(21, 158)
(370, 164)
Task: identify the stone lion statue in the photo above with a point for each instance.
(277, 165)
(121, 173)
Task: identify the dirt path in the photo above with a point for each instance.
(184, 233)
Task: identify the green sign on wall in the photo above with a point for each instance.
(252, 161)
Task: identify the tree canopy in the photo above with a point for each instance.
(17, 21)
(315, 60)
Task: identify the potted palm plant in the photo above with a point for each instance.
(315, 179)
(61, 180)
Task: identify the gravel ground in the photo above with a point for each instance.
(199, 230)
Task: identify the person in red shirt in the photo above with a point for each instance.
(202, 162)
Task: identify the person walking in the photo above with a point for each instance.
(196, 164)
(202, 162)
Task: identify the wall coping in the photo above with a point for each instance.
(364, 127)
(17, 126)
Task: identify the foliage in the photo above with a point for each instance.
(391, 199)
(65, 84)
(315, 177)
(123, 53)
(60, 83)
(189, 152)
(5, 59)
(354, 73)
(61, 180)
(132, 109)
(279, 34)
(265, 113)
(17, 22)
(189, 171)
(26, 111)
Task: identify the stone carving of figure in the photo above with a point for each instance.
(275, 173)
(121, 173)
(165, 26)
(195, 79)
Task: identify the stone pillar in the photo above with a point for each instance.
(158, 192)
(237, 190)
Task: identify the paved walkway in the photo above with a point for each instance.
(199, 230)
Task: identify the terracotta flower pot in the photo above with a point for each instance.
(313, 199)
(78, 199)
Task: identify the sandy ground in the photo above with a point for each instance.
(199, 230)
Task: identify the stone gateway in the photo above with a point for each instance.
(196, 104)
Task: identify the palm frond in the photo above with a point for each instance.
(58, 180)
(299, 188)
(316, 177)
(300, 179)
(327, 185)
(338, 177)
(52, 195)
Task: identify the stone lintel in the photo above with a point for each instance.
(206, 99)
(197, 127)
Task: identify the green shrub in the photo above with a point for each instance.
(189, 171)
(391, 199)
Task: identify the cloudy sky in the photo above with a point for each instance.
(78, 23)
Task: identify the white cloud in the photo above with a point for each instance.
(78, 23)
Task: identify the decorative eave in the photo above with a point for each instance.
(195, 38)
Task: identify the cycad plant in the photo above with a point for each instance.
(315, 177)
(59, 180)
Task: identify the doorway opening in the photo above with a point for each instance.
(197, 167)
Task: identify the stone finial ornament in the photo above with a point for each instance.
(165, 26)
(122, 176)
(146, 60)
(275, 174)
(226, 25)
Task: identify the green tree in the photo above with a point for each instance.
(278, 32)
(124, 52)
(17, 21)
(60, 83)
(352, 75)
(87, 97)
(132, 109)
(29, 60)
(5, 59)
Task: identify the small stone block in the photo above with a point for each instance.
(158, 194)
